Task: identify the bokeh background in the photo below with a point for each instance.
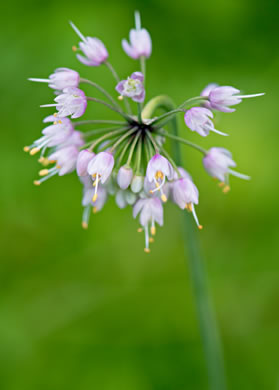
(88, 309)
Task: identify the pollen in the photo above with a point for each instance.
(146, 250)
(200, 227)
(153, 230)
(139, 230)
(120, 97)
(34, 151)
(164, 198)
(84, 225)
(226, 189)
(74, 48)
(36, 182)
(151, 240)
(221, 184)
(43, 172)
(190, 208)
(94, 198)
(26, 148)
(159, 175)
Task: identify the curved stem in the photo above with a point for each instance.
(104, 137)
(124, 136)
(102, 90)
(183, 141)
(92, 99)
(208, 326)
(91, 133)
(133, 148)
(98, 122)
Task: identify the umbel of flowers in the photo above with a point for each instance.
(126, 157)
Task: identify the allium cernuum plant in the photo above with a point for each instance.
(126, 157)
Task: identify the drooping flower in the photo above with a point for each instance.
(124, 177)
(56, 134)
(185, 194)
(66, 159)
(100, 168)
(87, 202)
(94, 50)
(84, 157)
(61, 78)
(132, 87)
(197, 119)
(151, 211)
(140, 44)
(158, 169)
(137, 183)
(221, 98)
(206, 91)
(217, 163)
(71, 102)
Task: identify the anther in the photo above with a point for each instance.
(146, 250)
(153, 230)
(26, 148)
(164, 198)
(226, 189)
(200, 227)
(151, 240)
(94, 210)
(140, 230)
(55, 114)
(84, 225)
(34, 151)
(221, 184)
(94, 198)
(74, 48)
(36, 182)
(43, 172)
(120, 97)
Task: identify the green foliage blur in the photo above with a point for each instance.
(89, 309)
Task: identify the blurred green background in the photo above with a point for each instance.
(88, 309)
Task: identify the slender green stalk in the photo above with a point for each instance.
(104, 137)
(99, 122)
(92, 99)
(183, 141)
(91, 133)
(139, 113)
(123, 151)
(209, 329)
(115, 75)
(143, 67)
(122, 139)
(133, 147)
(102, 90)
(138, 155)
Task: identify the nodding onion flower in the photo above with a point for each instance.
(126, 157)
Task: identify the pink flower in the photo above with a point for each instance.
(84, 157)
(140, 44)
(186, 195)
(197, 119)
(221, 98)
(65, 159)
(158, 169)
(71, 102)
(100, 168)
(132, 87)
(94, 50)
(151, 211)
(61, 78)
(217, 163)
(124, 177)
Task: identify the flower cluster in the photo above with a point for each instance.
(127, 158)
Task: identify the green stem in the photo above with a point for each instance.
(117, 79)
(122, 138)
(183, 141)
(139, 113)
(138, 156)
(208, 326)
(92, 99)
(99, 122)
(123, 151)
(102, 90)
(102, 130)
(133, 147)
(104, 137)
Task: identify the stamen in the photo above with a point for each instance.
(84, 225)
(52, 172)
(40, 80)
(36, 182)
(94, 210)
(74, 48)
(96, 189)
(77, 31)
(120, 97)
(43, 172)
(163, 197)
(195, 217)
(226, 189)
(34, 151)
(221, 184)
(85, 217)
(151, 240)
(158, 186)
(146, 249)
(26, 148)
(153, 228)
(140, 230)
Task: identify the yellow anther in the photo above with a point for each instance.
(139, 230)
(55, 123)
(221, 184)
(226, 189)
(120, 97)
(94, 210)
(34, 151)
(58, 166)
(190, 208)
(84, 225)
(200, 227)
(44, 161)
(186, 206)
(153, 230)
(159, 175)
(164, 198)
(26, 148)
(43, 172)
(36, 182)
(146, 250)
(55, 114)
(94, 198)
(74, 48)
(151, 239)
(157, 185)
(94, 183)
